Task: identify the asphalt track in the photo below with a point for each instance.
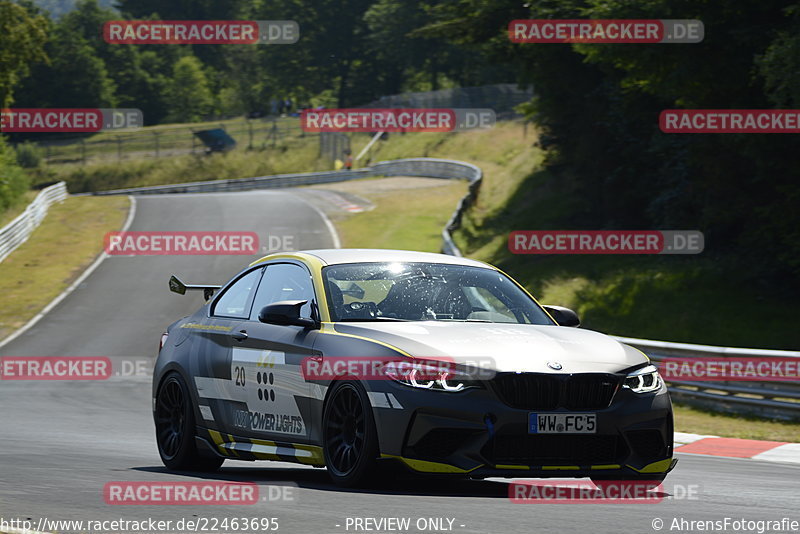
(63, 441)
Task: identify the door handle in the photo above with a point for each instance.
(241, 335)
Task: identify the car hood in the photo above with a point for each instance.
(504, 347)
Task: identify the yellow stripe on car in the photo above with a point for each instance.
(218, 441)
(661, 466)
(330, 328)
(519, 467)
(424, 466)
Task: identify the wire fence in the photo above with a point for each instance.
(167, 141)
(333, 145)
(262, 133)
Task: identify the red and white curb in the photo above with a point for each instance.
(340, 201)
(770, 451)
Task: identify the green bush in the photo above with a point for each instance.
(29, 155)
(13, 181)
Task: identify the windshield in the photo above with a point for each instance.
(427, 292)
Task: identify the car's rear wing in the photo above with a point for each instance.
(176, 286)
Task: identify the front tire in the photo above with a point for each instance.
(175, 428)
(349, 435)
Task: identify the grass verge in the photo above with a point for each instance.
(694, 299)
(706, 298)
(403, 219)
(58, 251)
(291, 154)
(696, 421)
(18, 207)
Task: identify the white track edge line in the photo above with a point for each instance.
(337, 243)
(64, 294)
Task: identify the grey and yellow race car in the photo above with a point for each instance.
(351, 358)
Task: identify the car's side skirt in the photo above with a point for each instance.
(239, 448)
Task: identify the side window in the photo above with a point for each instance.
(284, 281)
(235, 302)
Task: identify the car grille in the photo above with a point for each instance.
(554, 449)
(532, 391)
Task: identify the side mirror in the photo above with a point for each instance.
(563, 316)
(286, 313)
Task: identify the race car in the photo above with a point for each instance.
(351, 359)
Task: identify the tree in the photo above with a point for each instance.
(331, 47)
(599, 104)
(13, 180)
(75, 77)
(140, 72)
(181, 9)
(188, 95)
(22, 44)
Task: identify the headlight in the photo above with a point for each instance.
(431, 376)
(643, 380)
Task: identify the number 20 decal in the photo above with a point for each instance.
(239, 372)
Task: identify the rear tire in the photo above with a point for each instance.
(349, 435)
(175, 429)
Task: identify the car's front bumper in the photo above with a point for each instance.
(473, 432)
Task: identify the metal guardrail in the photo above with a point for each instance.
(773, 399)
(778, 400)
(19, 230)
(242, 184)
(428, 167)
(439, 168)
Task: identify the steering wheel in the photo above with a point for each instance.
(361, 310)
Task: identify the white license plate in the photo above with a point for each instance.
(562, 423)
